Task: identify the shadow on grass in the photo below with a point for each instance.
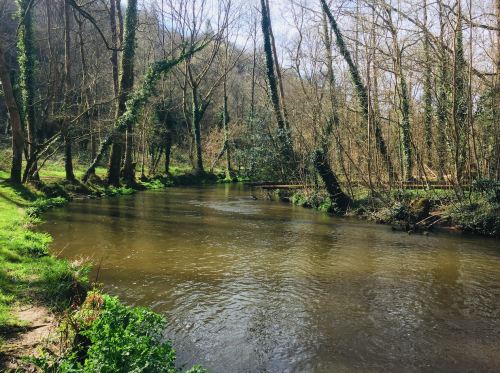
(21, 190)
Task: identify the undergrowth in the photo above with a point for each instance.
(105, 336)
(477, 211)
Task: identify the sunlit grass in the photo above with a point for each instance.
(27, 273)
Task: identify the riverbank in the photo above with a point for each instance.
(33, 284)
(38, 290)
(413, 211)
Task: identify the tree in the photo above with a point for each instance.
(361, 91)
(26, 46)
(126, 84)
(15, 119)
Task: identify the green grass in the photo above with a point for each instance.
(58, 172)
(27, 273)
(55, 171)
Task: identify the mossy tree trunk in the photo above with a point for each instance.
(15, 119)
(442, 78)
(114, 42)
(332, 123)
(26, 58)
(283, 135)
(330, 180)
(126, 84)
(427, 99)
(460, 105)
(66, 130)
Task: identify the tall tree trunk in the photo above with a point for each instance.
(196, 120)
(361, 91)
(333, 119)
(496, 151)
(26, 47)
(460, 98)
(427, 94)
(86, 99)
(225, 127)
(53, 67)
(15, 119)
(114, 42)
(126, 84)
(279, 79)
(441, 99)
(168, 148)
(66, 131)
(330, 180)
(254, 63)
(285, 143)
(120, 21)
(226, 130)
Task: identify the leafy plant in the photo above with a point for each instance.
(115, 339)
(41, 205)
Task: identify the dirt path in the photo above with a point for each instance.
(25, 341)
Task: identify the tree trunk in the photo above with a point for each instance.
(427, 94)
(196, 118)
(279, 79)
(87, 94)
(331, 183)
(460, 99)
(285, 143)
(168, 148)
(333, 119)
(114, 53)
(441, 99)
(15, 119)
(68, 159)
(126, 84)
(26, 46)
(404, 103)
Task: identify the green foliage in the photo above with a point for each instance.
(40, 205)
(141, 96)
(160, 182)
(261, 152)
(118, 339)
(481, 215)
(313, 198)
(112, 192)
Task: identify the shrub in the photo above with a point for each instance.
(41, 205)
(115, 339)
(111, 192)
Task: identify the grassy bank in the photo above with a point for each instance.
(28, 274)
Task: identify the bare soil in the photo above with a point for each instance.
(26, 340)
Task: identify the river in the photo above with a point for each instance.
(264, 286)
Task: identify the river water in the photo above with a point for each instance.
(264, 286)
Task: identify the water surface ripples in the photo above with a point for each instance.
(263, 286)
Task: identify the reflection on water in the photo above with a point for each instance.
(262, 286)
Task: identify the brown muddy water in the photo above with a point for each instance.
(263, 286)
